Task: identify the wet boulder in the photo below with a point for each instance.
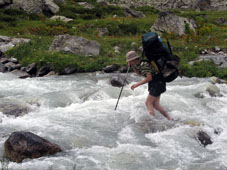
(204, 138)
(23, 145)
(4, 60)
(213, 90)
(20, 73)
(214, 80)
(1, 54)
(16, 109)
(68, 70)
(111, 68)
(151, 126)
(10, 66)
(44, 70)
(123, 69)
(192, 123)
(2, 68)
(218, 131)
(31, 69)
(118, 81)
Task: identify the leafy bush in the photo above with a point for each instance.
(51, 28)
(7, 18)
(201, 69)
(14, 12)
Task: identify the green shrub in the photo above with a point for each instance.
(14, 12)
(203, 69)
(7, 18)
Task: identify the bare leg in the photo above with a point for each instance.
(149, 103)
(158, 107)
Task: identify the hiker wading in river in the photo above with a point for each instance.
(155, 85)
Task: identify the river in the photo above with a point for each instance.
(77, 113)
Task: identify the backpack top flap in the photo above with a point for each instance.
(153, 47)
(150, 37)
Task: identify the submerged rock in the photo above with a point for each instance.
(13, 109)
(204, 138)
(192, 122)
(152, 126)
(23, 145)
(212, 90)
(215, 80)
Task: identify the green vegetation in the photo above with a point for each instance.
(122, 32)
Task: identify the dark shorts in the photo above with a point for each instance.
(156, 88)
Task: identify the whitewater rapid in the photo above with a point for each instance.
(77, 113)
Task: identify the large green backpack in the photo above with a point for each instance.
(157, 53)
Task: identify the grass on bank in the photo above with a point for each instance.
(122, 32)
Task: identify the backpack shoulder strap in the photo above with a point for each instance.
(154, 65)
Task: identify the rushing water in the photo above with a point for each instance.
(77, 113)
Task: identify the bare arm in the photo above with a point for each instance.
(145, 80)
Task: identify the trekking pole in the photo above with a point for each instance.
(122, 89)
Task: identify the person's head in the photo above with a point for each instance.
(132, 58)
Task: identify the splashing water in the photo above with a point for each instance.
(77, 113)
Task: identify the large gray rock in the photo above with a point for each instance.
(61, 18)
(86, 5)
(176, 4)
(20, 74)
(219, 60)
(168, 21)
(75, 45)
(7, 42)
(23, 145)
(35, 6)
(203, 4)
(132, 13)
(49, 5)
